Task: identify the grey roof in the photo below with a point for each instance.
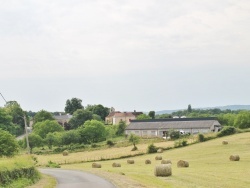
(173, 124)
(63, 117)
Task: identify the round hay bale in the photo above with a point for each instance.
(163, 170)
(116, 165)
(234, 158)
(182, 163)
(166, 162)
(158, 157)
(224, 142)
(160, 150)
(130, 161)
(65, 153)
(147, 161)
(96, 165)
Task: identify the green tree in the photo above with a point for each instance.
(6, 123)
(242, 120)
(73, 105)
(51, 140)
(17, 113)
(45, 127)
(98, 110)
(79, 117)
(189, 108)
(34, 141)
(42, 116)
(92, 131)
(134, 139)
(143, 116)
(71, 137)
(121, 128)
(8, 144)
(151, 114)
(111, 131)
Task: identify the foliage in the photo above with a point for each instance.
(14, 170)
(73, 105)
(92, 131)
(51, 139)
(6, 122)
(242, 120)
(201, 138)
(15, 110)
(111, 131)
(70, 137)
(121, 128)
(151, 114)
(80, 116)
(99, 110)
(34, 141)
(42, 116)
(174, 134)
(110, 143)
(227, 119)
(152, 148)
(8, 144)
(189, 108)
(53, 165)
(47, 126)
(96, 117)
(143, 116)
(227, 131)
(134, 139)
(180, 143)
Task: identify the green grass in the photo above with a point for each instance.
(209, 166)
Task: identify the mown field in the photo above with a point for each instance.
(209, 165)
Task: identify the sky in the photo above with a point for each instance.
(128, 54)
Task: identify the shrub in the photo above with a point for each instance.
(163, 170)
(110, 143)
(174, 134)
(201, 138)
(53, 165)
(227, 131)
(152, 148)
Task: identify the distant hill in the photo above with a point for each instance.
(230, 107)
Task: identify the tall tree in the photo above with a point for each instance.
(151, 114)
(79, 118)
(242, 120)
(98, 110)
(42, 116)
(189, 108)
(72, 105)
(121, 128)
(47, 126)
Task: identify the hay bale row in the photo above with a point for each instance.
(182, 163)
(147, 161)
(96, 165)
(224, 142)
(163, 170)
(166, 161)
(158, 157)
(234, 158)
(116, 165)
(130, 161)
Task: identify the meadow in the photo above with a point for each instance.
(209, 165)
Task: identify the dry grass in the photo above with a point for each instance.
(110, 153)
(205, 158)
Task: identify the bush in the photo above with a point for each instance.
(201, 138)
(110, 143)
(152, 148)
(174, 134)
(53, 165)
(227, 131)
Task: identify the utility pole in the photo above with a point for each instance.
(26, 131)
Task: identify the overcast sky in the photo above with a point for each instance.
(128, 54)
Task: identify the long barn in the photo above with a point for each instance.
(160, 127)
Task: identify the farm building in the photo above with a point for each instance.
(160, 127)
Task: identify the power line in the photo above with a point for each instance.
(3, 98)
